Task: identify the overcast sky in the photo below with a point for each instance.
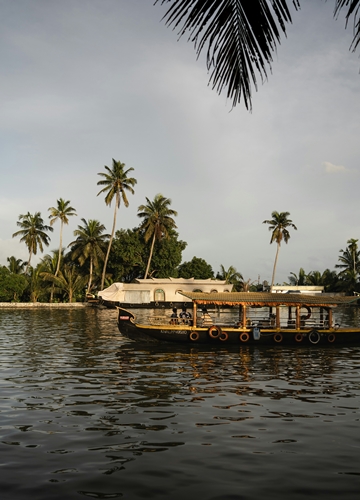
(85, 81)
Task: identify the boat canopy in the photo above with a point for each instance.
(262, 299)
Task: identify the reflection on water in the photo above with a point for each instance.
(86, 413)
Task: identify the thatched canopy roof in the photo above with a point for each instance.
(267, 299)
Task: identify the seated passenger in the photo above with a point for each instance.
(185, 316)
(174, 317)
(206, 319)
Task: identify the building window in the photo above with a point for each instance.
(159, 295)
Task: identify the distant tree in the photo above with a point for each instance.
(16, 266)
(12, 285)
(278, 225)
(61, 212)
(68, 281)
(127, 256)
(49, 264)
(157, 222)
(33, 233)
(328, 279)
(232, 277)
(350, 258)
(298, 279)
(248, 286)
(196, 268)
(240, 36)
(116, 183)
(167, 256)
(89, 245)
(39, 290)
(350, 267)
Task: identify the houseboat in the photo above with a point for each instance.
(241, 318)
(158, 292)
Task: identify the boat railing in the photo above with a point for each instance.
(251, 322)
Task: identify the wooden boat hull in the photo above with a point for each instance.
(234, 336)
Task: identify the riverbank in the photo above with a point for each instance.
(45, 305)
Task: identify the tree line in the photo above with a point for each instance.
(95, 259)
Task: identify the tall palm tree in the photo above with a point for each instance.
(116, 182)
(241, 37)
(61, 212)
(157, 221)
(278, 225)
(33, 233)
(89, 245)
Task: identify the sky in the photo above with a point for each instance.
(85, 81)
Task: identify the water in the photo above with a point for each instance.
(85, 413)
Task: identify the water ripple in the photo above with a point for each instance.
(86, 413)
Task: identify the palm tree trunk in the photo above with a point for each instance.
(28, 264)
(109, 246)
(274, 270)
(60, 250)
(90, 275)
(150, 256)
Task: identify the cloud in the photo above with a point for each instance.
(330, 168)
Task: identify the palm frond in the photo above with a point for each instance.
(353, 10)
(240, 38)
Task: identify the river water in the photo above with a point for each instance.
(85, 413)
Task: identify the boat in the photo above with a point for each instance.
(158, 292)
(241, 318)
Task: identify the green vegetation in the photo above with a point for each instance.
(89, 246)
(278, 225)
(196, 268)
(157, 222)
(61, 212)
(116, 182)
(33, 233)
(95, 259)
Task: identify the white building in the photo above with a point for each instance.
(310, 290)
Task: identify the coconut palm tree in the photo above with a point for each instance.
(241, 37)
(89, 245)
(33, 233)
(350, 258)
(49, 265)
(231, 276)
(157, 221)
(68, 281)
(61, 212)
(278, 225)
(298, 280)
(116, 183)
(16, 266)
(328, 279)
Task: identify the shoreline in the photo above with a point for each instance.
(45, 305)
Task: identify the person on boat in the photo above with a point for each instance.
(206, 319)
(185, 316)
(174, 317)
